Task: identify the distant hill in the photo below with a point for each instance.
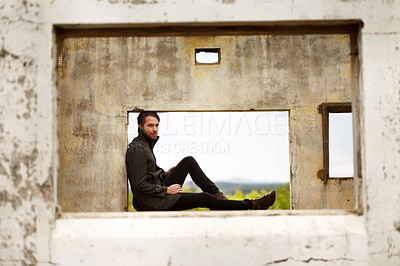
(230, 187)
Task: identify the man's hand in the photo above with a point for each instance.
(174, 189)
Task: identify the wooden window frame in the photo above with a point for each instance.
(325, 109)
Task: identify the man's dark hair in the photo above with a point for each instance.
(141, 119)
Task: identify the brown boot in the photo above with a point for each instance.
(220, 195)
(264, 202)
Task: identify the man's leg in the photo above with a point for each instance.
(206, 200)
(188, 165)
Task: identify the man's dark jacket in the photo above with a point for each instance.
(145, 177)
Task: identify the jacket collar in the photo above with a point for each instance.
(145, 137)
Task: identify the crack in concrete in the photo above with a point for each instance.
(131, 2)
(4, 53)
(382, 33)
(21, 261)
(278, 261)
(311, 259)
(386, 253)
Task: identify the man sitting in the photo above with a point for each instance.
(156, 190)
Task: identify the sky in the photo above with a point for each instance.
(341, 156)
(240, 146)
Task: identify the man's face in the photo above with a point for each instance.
(150, 127)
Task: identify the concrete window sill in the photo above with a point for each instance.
(178, 214)
(209, 238)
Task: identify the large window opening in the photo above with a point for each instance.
(102, 73)
(245, 153)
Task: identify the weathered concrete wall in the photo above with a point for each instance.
(104, 77)
(27, 134)
(92, 129)
(29, 176)
(380, 99)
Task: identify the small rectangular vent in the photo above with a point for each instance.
(207, 56)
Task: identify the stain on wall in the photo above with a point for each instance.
(91, 147)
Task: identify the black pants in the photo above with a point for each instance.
(188, 165)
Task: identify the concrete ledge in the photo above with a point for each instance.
(171, 214)
(210, 238)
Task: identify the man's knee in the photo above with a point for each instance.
(189, 159)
